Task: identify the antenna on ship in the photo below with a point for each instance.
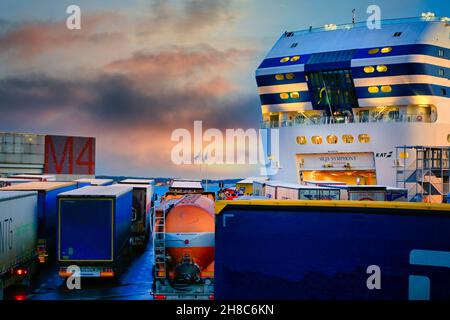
(354, 16)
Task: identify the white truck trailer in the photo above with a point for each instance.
(18, 237)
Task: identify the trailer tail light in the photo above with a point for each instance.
(63, 273)
(20, 297)
(20, 272)
(211, 297)
(160, 297)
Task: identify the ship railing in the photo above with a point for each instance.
(321, 120)
(359, 24)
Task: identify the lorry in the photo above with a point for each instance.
(142, 213)
(18, 237)
(332, 250)
(290, 191)
(362, 192)
(183, 241)
(47, 213)
(93, 182)
(6, 182)
(94, 230)
(35, 177)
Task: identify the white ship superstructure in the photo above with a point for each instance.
(343, 97)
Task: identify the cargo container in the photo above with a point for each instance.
(47, 213)
(245, 187)
(396, 194)
(186, 186)
(321, 183)
(259, 188)
(6, 182)
(137, 181)
(289, 191)
(18, 237)
(35, 177)
(94, 230)
(362, 192)
(93, 182)
(142, 213)
(349, 250)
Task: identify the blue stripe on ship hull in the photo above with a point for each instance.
(402, 69)
(409, 49)
(269, 80)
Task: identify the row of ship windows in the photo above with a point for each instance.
(383, 50)
(367, 69)
(281, 77)
(292, 95)
(292, 59)
(371, 69)
(377, 89)
(333, 139)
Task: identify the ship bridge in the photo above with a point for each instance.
(349, 73)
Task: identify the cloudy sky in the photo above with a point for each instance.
(138, 69)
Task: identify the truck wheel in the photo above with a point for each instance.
(1, 289)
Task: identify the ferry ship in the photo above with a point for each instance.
(344, 97)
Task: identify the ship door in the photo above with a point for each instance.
(274, 120)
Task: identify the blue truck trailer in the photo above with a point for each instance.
(47, 213)
(94, 230)
(332, 250)
(142, 213)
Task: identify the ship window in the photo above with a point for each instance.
(444, 91)
(382, 68)
(441, 73)
(369, 69)
(295, 58)
(294, 44)
(441, 53)
(279, 77)
(374, 51)
(397, 34)
(284, 95)
(373, 89)
(333, 90)
(290, 76)
(285, 59)
(316, 139)
(364, 138)
(386, 88)
(386, 50)
(332, 139)
(301, 140)
(295, 95)
(448, 138)
(347, 138)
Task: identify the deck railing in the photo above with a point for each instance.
(321, 120)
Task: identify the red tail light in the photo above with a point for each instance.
(211, 297)
(21, 272)
(160, 297)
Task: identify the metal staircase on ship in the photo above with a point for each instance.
(424, 172)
